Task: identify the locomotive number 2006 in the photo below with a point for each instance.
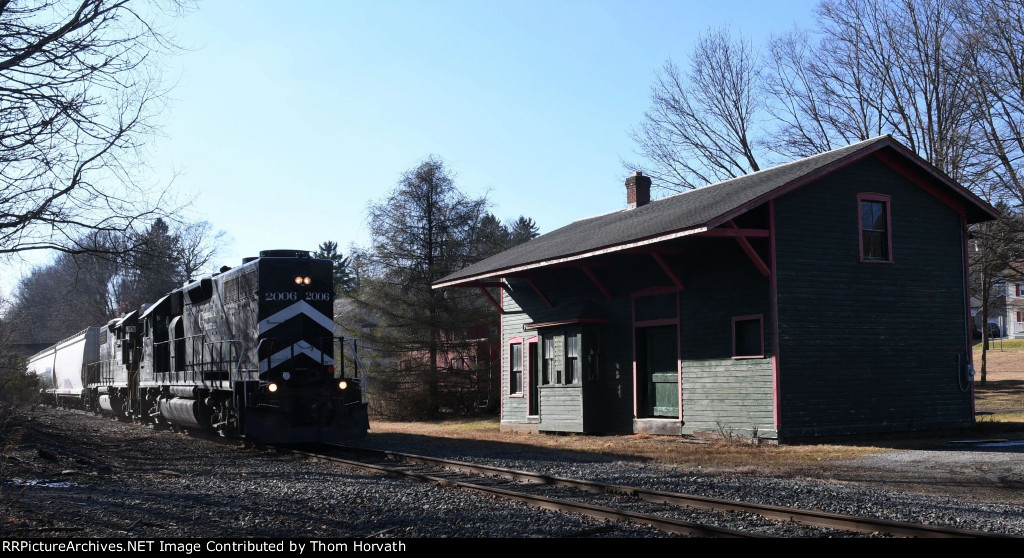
(280, 296)
(284, 296)
(318, 297)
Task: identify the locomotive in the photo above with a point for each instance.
(249, 352)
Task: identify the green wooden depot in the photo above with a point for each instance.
(826, 296)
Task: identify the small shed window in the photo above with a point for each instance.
(748, 337)
(875, 231)
(515, 362)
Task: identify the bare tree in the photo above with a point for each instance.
(899, 67)
(109, 279)
(700, 127)
(71, 293)
(996, 33)
(79, 91)
(197, 246)
(996, 255)
(819, 104)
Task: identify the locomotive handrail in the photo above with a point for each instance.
(341, 339)
(236, 376)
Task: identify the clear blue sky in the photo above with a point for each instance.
(288, 119)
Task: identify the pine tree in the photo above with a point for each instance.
(344, 281)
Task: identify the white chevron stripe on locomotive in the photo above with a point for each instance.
(300, 307)
(298, 348)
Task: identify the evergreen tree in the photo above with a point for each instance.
(522, 230)
(344, 280)
(424, 230)
(151, 270)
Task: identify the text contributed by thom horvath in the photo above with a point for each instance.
(198, 547)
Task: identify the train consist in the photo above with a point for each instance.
(249, 352)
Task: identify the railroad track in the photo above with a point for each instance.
(703, 515)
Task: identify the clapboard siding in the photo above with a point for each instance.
(513, 408)
(561, 409)
(868, 347)
(610, 396)
(728, 396)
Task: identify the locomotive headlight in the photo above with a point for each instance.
(272, 388)
(343, 385)
(298, 280)
(287, 375)
(306, 280)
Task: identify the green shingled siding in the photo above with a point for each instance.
(869, 347)
(720, 393)
(720, 282)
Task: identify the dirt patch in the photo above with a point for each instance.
(1004, 383)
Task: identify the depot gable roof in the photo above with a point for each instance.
(698, 210)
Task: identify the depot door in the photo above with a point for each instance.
(658, 369)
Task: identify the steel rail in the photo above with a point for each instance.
(809, 518)
(666, 524)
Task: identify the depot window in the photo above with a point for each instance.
(875, 228)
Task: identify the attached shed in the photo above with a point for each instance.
(826, 296)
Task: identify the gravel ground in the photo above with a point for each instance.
(71, 474)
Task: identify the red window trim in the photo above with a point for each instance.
(760, 320)
(1018, 291)
(1019, 316)
(522, 367)
(869, 196)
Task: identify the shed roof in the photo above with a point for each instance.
(695, 211)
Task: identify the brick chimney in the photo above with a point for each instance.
(638, 190)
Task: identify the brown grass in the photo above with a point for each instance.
(1004, 384)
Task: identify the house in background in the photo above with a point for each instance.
(774, 305)
(1006, 308)
(1014, 286)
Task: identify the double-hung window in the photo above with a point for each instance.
(549, 360)
(515, 368)
(572, 359)
(875, 229)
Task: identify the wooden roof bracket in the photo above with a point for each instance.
(490, 297)
(668, 270)
(597, 282)
(537, 290)
(751, 253)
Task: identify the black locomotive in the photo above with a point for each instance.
(248, 352)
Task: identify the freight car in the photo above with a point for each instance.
(248, 352)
